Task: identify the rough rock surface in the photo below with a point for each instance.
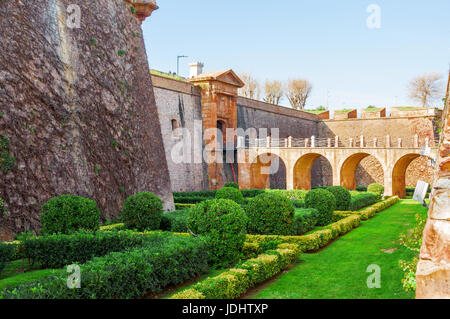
(433, 271)
(77, 110)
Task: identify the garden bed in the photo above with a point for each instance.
(238, 281)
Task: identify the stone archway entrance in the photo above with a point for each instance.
(303, 168)
(399, 174)
(268, 171)
(349, 168)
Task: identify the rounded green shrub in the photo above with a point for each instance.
(376, 188)
(230, 193)
(325, 203)
(232, 184)
(67, 214)
(342, 196)
(222, 223)
(142, 211)
(270, 214)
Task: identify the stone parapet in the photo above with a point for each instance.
(179, 86)
(259, 105)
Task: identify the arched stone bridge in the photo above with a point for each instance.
(256, 164)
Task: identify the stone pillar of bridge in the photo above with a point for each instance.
(388, 191)
(289, 175)
(433, 271)
(244, 169)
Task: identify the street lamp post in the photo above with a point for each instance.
(178, 62)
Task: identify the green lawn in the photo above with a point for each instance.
(20, 271)
(339, 270)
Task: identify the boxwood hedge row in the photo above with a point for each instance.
(363, 200)
(124, 275)
(57, 251)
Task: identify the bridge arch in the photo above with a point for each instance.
(268, 170)
(302, 170)
(399, 174)
(349, 166)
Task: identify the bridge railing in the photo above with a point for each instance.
(348, 142)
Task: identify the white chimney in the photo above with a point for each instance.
(195, 69)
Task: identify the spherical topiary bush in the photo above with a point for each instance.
(231, 184)
(222, 223)
(324, 202)
(230, 193)
(342, 196)
(142, 211)
(376, 188)
(67, 214)
(270, 214)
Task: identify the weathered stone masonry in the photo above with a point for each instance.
(77, 108)
(433, 271)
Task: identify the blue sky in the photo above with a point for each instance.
(325, 41)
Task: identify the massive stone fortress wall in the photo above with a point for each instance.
(77, 109)
(179, 107)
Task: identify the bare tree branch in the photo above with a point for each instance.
(298, 92)
(274, 92)
(252, 89)
(426, 88)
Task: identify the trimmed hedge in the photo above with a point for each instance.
(183, 206)
(67, 214)
(362, 200)
(113, 227)
(230, 193)
(233, 283)
(321, 238)
(296, 194)
(175, 221)
(142, 211)
(210, 194)
(298, 203)
(57, 251)
(325, 203)
(124, 275)
(231, 184)
(369, 212)
(376, 188)
(222, 223)
(342, 196)
(270, 214)
(6, 255)
(250, 193)
(305, 220)
(190, 199)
